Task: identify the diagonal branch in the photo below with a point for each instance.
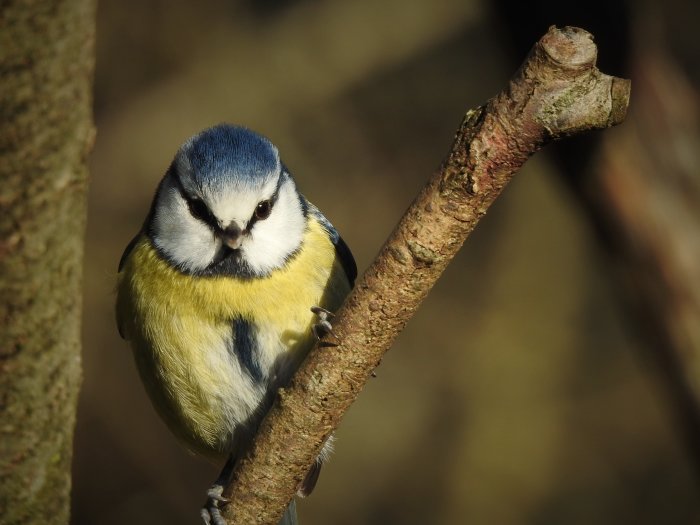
(557, 92)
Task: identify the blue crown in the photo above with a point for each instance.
(227, 154)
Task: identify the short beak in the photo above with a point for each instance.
(232, 236)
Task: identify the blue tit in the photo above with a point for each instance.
(219, 292)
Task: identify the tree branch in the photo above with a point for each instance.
(557, 92)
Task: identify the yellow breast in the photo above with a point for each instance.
(179, 327)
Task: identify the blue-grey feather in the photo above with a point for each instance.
(226, 156)
(341, 249)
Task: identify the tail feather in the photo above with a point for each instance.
(307, 486)
(290, 515)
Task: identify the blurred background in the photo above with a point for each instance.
(544, 381)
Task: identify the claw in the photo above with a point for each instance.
(322, 312)
(211, 514)
(323, 327)
(214, 493)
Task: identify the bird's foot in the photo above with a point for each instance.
(211, 513)
(322, 327)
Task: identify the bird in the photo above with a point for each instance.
(229, 283)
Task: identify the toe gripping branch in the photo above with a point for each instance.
(211, 512)
(322, 327)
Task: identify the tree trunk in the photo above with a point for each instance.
(46, 131)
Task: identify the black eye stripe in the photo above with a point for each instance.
(260, 214)
(270, 203)
(198, 209)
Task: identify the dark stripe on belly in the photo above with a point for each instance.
(245, 348)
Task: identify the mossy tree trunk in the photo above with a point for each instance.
(46, 131)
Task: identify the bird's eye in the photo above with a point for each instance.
(199, 210)
(262, 210)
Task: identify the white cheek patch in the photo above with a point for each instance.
(274, 239)
(187, 241)
(192, 245)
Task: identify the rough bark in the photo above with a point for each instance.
(46, 131)
(557, 92)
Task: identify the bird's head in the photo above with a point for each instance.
(227, 205)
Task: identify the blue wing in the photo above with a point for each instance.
(341, 249)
